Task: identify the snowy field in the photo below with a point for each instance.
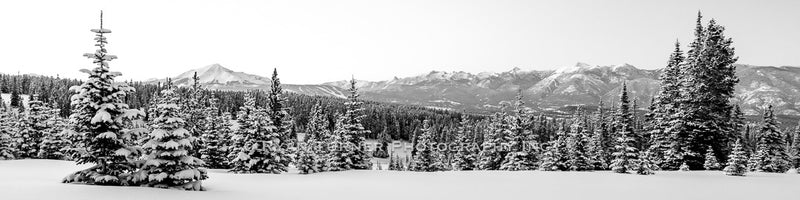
(40, 179)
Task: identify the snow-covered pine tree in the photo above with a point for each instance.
(577, 158)
(245, 122)
(707, 80)
(279, 113)
(427, 158)
(54, 141)
(549, 161)
(492, 154)
(318, 135)
(465, 157)
(354, 131)
(711, 162)
(677, 147)
(257, 144)
(214, 137)
(645, 166)
(739, 122)
(37, 122)
(168, 162)
(97, 117)
(521, 155)
(561, 152)
(7, 149)
(625, 153)
(338, 148)
(317, 127)
(684, 167)
(600, 145)
(664, 110)
(307, 160)
(194, 109)
(737, 161)
(771, 155)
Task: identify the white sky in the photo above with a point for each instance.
(320, 41)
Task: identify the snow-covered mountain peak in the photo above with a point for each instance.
(217, 74)
(214, 68)
(580, 66)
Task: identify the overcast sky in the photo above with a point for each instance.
(327, 40)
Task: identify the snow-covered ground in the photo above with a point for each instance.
(40, 179)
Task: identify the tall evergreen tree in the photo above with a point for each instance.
(318, 125)
(339, 148)
(737, 161)
(771, 155)
(318, 136)
(521, 155)
(54, 140)
(600, 146)
(578, 159)
(625, 154)
(7, 144)
(354, 131)
(194, 110)
(645, 166)
(168, 163)
(307, 159)
(465, 157)
(665, 113)
(97, 117)
(711, 162)
(707, 85)
(556, 154)
(37, 122)
(257, 144)
(492, 153)
(427, 158)
(215, 135)
(279, 111)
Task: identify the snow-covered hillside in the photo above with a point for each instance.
(579, 84)
(217, 77)
(40, 179)
(217, 74)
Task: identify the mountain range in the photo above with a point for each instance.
(217, 77)
(547, 90)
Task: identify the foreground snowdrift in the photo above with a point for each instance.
(40, 179)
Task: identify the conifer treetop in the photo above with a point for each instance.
(101, 56)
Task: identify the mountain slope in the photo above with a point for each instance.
(217, 77)
(581, 84)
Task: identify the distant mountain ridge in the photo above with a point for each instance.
(580, 84)
(217, 77)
